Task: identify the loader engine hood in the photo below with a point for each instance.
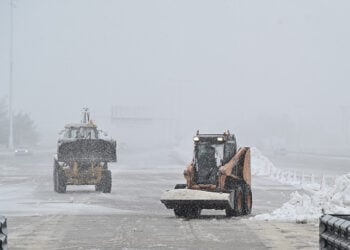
(94, 150)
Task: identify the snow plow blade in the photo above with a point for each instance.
(87, 150)
(198, 198)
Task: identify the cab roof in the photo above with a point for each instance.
(214, 138)
(80, 125)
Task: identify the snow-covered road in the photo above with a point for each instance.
(132, 215)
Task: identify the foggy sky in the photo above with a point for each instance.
(213, 62)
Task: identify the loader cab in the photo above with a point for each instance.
(80, 131)
(210, 152)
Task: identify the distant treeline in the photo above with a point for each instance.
(24, 130)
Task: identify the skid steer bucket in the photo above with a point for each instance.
(95, 150)
(198, 198)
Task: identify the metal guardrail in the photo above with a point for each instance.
(3, 233)
(335, 231)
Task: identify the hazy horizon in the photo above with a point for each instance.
(207, 65)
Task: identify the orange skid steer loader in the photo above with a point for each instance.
(217, 178)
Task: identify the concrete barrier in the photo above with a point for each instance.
(334, 231)
(3, 233)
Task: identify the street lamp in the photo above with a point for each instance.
(10, 143)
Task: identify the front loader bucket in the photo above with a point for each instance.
(94, 150)
(198, 198)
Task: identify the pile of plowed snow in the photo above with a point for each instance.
(310, 205)
(310, 201)
(260, 164)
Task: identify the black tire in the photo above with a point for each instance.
(248, 200)
(193, 212)
(187, 211)
(55, 175)
(237, 201)
(180, 212)
(106, 182)
(180, 186)
(60, 176)
(98, 187)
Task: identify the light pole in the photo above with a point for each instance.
(10, 143)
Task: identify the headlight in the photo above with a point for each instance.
(196, 138)
(220, 139)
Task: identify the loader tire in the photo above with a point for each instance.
(59, 180)
(193, 212)
(98, 187)
(180, 186)
(187, 212)
(180, 212)
(54, 176)
(248, 200)
(238, 203)
(106, 182)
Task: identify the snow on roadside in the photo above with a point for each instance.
(260, 164)
(310, 201)
(309, 206)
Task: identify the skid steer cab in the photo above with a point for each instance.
(82, 157)
(218, 177)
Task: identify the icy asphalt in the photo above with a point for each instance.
(132, 217)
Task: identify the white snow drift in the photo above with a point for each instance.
(310, 201)
(260, 164)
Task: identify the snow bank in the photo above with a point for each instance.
(260, 164)
(310, 204)
(311, 200)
